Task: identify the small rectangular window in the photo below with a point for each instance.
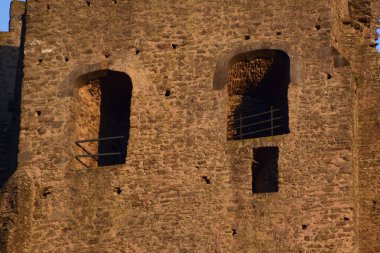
(265, 170)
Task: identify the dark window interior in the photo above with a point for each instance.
(258, 95)
(265, 170)
(115, 110)
(102, 118)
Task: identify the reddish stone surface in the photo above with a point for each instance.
(185, 187)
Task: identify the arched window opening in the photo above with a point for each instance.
(258, 94)
(102, 118)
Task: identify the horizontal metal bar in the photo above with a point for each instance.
(254, 115)
(97, 155)
(257, 123)
(101, 139)
(262, 130)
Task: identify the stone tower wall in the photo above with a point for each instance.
(357, 22)
(9, 90)
(185, 187)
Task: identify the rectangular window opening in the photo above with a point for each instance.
(265, 170)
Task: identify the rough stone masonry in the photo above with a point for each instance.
(116, 133)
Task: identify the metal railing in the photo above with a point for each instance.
(96, 156)
(244, 129)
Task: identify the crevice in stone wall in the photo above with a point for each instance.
(206, 179)
(46, 192)
(118, 190)
(257, 89)
(102, 118)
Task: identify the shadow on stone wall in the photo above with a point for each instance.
(10, 121)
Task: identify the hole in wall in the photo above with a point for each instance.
(107, 55)
(40, 61)
(206, 180)
(304, 226)
(118, 190)
(174, 46)
(374, 205)
(247, 37)
(234, 232)
(357, 27)
(48, 7)
(328, 76)
(167, 93)
(347, 22)
(38, 113)
(317, 27)
(88, 3)
(46, 192)
(114, 2)
(137, 51)
(365, 21)
(346, 218)
(66, 59)
(265, 170)
(278, 33)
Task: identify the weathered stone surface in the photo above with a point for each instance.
(185, 187)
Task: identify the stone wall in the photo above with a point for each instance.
(185, 187)
(87, 120)
(359, 24)
(10, 81)
(16, 210)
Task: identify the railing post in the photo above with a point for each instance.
(241, 127)
(271, 120)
